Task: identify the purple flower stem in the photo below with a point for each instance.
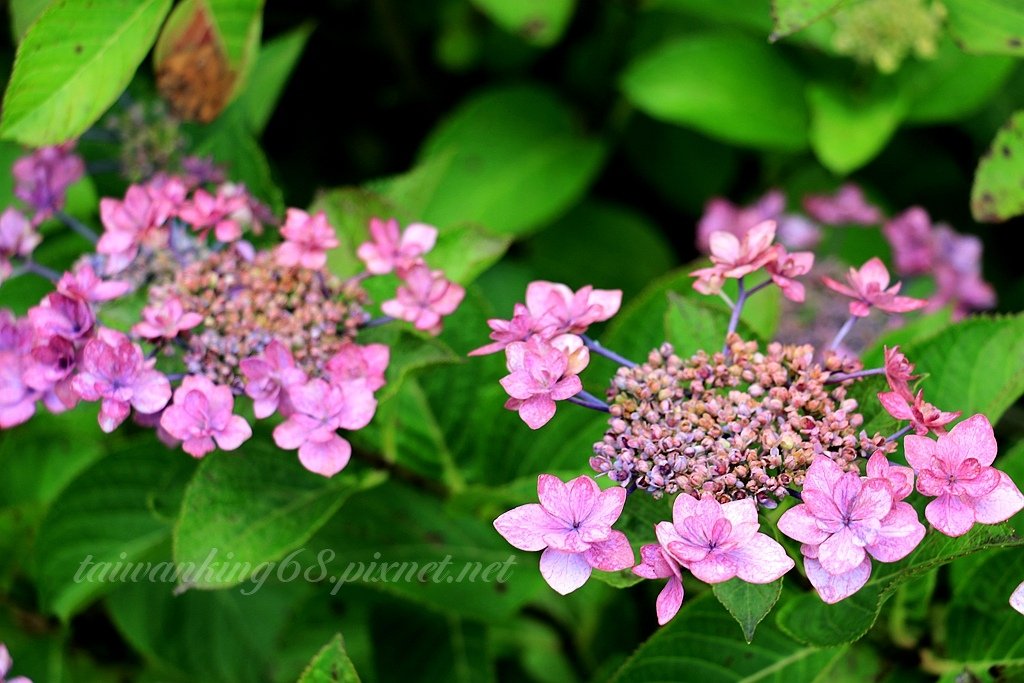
(76, 225)
(588, 400)
(596, 347)
(377, 322)
(899, 434)
(758, 288)
(843, 376)
(843, 331)
(734, 319)
(30, 266)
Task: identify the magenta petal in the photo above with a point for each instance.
(326, 458)
(798, 523)
(198, 447)
(112, 414)
(950, 515)
(670, 599)
(537, 411)
(1003, 502)
(834, 587)
(611, 555)
(654, 564)
(234, 434)
(292, 433)
(150, 392)
(973, 438)
(900, 533)
(565, 572)
(525, 526)
(761, 560)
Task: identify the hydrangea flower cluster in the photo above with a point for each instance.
(731, 431)
(222, 317)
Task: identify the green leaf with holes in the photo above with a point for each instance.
(987, 26)
(791, 16)
(998, 192)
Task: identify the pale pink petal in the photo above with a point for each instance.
(537, 411)
(236, 432)
(900, 533)
(799, 524)
(1003, 502)
(761, 560)
(609, 300)
(151, 391)
(902, 304)
(419, 235)
(607, 507)
(566, 388)
(919, 450)
(654, 564)
(676, 545)
(553, 494)
(197, 447)
(834, 587)
(839, 287)
(896, 405)
(972, 438)
(112, 414)
(742, 514)
(725, 246)
(669, 600)
(525, 526)
(1017, 599)
(326, 458)
(950, 515)
(875, 272)
(291, 433)
(611, 555)
(840, 552)
(565, 572)
(714, 568)
(684, 506)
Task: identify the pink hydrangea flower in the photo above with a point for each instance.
(355, 365)
(845, 520)
(733, 258)
(113, 370)
(786, 268)
(269, 377)
(868, 288)
(558, 310)
(217, 212)
(958, 273)
(899, 372)
(136, 221)
(1016, 599)
(168, 194)
(520, 328)
(307, 239)
(62, 315)
(795, 231)
(5, 667)
(166, 320)
(83, 283)
(923, 416)
(320, 409)
(202, 417)
(18, 238)
(912, 240)
(721, 215)
(655, 563)
(17, 399)
(48, 369)
(387, 250)
(424, 298)
(541, 373)
(43, 177)
(720, 541)
(957, 470)
(847, 206)
(572, 524)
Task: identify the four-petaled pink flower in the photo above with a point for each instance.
(83, 283)
(541, 373)
(387, 250)
(573, 526)
(558, 310)
(320, 409)
(720, 541)
(5, 666)
(62, 315)
(136, 221)
(521, 327)
(203, 415)
(846, 519)
(656, 563)
(721, 215)
(846, 206)
(733, 258)
(113, 371)
(899, 372)
(923, 416)
(869, 287)
(307, 239)
(786, 268)
(425, 297)
(43, 177)
(166, 320)
(18, 237)
(957, 469)
(205, 211)
(269, 376)
(356, 366)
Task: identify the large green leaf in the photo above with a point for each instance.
(23, 13)
(275, 63)
(516, 160)
(541, 22)
(792, 15)
(256, 504)
(112, 516)
(331, 665)
(702, 644)
(998, 191)
(238, 24)
(976, 366)
(987, 26)
(847, 131)
(73, 63)
(730, 87)
(748, 603)
(810, 620)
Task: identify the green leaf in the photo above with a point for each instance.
(701, 644)
(73, 63)
(792, 15)
(987, 26)
(753, 15)
(331, 665)
(238, 24)
(811, 621)
(257, 504)
(729, 87)
(998, 192)
(748, 603)
(23, 13)
(691, 327)
(410, 351)
(976, 366)
(541, 22)
(275, 63)
(848, 132)
(516, 159)
(117, 511)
